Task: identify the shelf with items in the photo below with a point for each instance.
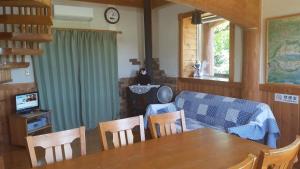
(21, 126)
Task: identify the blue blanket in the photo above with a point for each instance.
(247, 119)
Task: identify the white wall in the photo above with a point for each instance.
(130, 42)
(23, 75)
(166, 40)
(166, 37)
(274, 8)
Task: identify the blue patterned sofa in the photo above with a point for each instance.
(245, 118)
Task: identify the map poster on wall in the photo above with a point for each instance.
(283, 49)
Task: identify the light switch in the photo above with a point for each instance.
(27, 72)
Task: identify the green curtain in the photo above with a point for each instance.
(77, 78)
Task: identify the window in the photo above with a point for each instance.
(221, 40)
(209, 44)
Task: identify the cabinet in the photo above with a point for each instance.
(21, 126)
(137, 103)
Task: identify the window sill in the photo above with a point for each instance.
(210, 81)
(212, 78)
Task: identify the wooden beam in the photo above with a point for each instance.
(15, 19)
(131, 3)
(250, 80)
(243, 12)
(158, 3)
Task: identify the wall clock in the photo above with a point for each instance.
(112, 15)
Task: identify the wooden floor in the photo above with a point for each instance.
(18, 158)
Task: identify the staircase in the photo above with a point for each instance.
(24, 24)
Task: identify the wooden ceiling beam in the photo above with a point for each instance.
(158, 3)
(243, 12)
(130, 3)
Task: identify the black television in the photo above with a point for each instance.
(27, 102)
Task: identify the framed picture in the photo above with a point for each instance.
(283, 50)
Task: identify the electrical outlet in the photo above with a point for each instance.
(285, 98)
(27, 72)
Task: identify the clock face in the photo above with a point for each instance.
(112, 15)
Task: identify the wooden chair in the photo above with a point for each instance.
(118, 128)
(248, 163)
(53, 143)
(166, 123)
(282, 158)
(2, 163)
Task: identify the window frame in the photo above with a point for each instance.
(231, 48)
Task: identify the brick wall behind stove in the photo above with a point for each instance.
(159, 77)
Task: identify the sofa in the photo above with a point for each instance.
(244, 118)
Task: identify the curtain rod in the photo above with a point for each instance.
(90, 30)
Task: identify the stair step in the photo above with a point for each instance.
(25, 37)
(27, 3)
(28, 19)
(15, 65)
(5, 76)
(20, 51)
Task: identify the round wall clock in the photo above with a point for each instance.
(112, 15)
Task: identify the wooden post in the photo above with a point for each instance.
(148, 35)
(250, 82)
(207, 49)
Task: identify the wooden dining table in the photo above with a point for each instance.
(198, 149)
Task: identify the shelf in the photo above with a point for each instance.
(5, 81)
(28, 19)
(5, 76)
(25, 37)
(20, 51)
(33, 115)
(27, 3)
(18, 125)
(15, 65)
(39, 129)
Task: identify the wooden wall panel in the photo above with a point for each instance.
(7, 93)
(287, 115)
(230, 89)
(187, 35)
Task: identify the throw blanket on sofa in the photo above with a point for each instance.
(247, 119)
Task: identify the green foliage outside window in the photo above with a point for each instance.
(221, 49)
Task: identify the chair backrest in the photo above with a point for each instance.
(120, 129)
(166, 123)
(53, 143)
(2, 163)
(282, 158)
(248, 163)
